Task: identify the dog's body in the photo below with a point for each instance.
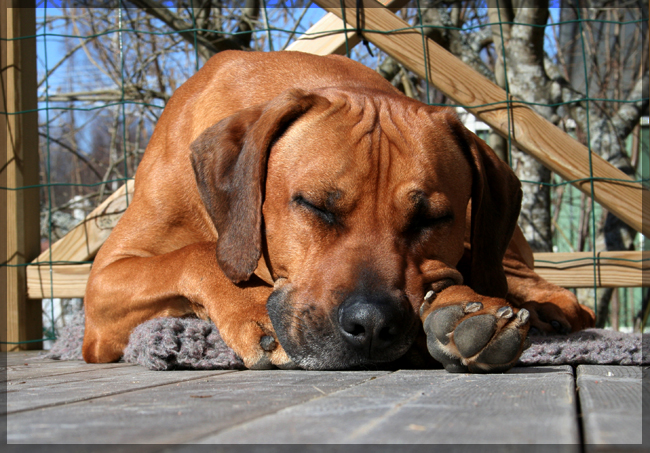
(308, 208)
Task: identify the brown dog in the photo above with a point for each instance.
(317, 215)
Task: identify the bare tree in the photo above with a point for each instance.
(108, 87)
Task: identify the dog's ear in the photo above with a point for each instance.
(229, 161)
(495, 206)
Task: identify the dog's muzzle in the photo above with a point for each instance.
(363, 330)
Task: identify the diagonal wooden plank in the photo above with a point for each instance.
(524, 406)
(530, 132)
(611, 404)
(82, 242)
(55, 390)
(327, 36)
(178, 412)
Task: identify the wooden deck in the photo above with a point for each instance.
(591, 407)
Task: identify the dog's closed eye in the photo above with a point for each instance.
(426, 222)
(425, 217)
(327, 216)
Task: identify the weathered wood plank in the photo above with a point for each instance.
(48, 391)
(178, 412)
(528, 130)
(39, 368)
(17, 357)
(533, 405)
(611, 404)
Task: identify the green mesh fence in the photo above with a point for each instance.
(106, 69)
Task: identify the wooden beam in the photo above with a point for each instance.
(20, 218)
(83, 242)
(529, 131)
(613, 269)
(62, 280)
(571, 270)
(327, 36)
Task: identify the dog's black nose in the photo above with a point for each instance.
(370, 324)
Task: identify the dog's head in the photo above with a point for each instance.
(356, 201)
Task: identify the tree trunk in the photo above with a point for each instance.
(526, 79)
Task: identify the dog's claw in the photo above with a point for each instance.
(523, 316)
(429, 296)
(504, 312)
(268, 343)
(472, 307)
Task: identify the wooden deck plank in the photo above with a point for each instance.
(611, 404)
(179, 412)
(17, 357)
(38, 368)
(59, 389)
(532, 405)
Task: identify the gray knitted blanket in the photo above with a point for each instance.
(190, 343)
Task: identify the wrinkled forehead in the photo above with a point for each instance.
(378, 139)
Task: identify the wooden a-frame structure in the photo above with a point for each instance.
(528, 130)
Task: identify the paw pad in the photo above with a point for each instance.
(474, 333)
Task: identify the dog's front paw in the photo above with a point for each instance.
(255, 342)
(478, 336)
(273, 355)
(558, 313)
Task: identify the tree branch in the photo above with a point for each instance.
(186, 29)
(73, 151)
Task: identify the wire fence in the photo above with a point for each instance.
(105, 74)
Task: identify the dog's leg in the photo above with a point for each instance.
(467, 332)
(552, 309)
(131, 290)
